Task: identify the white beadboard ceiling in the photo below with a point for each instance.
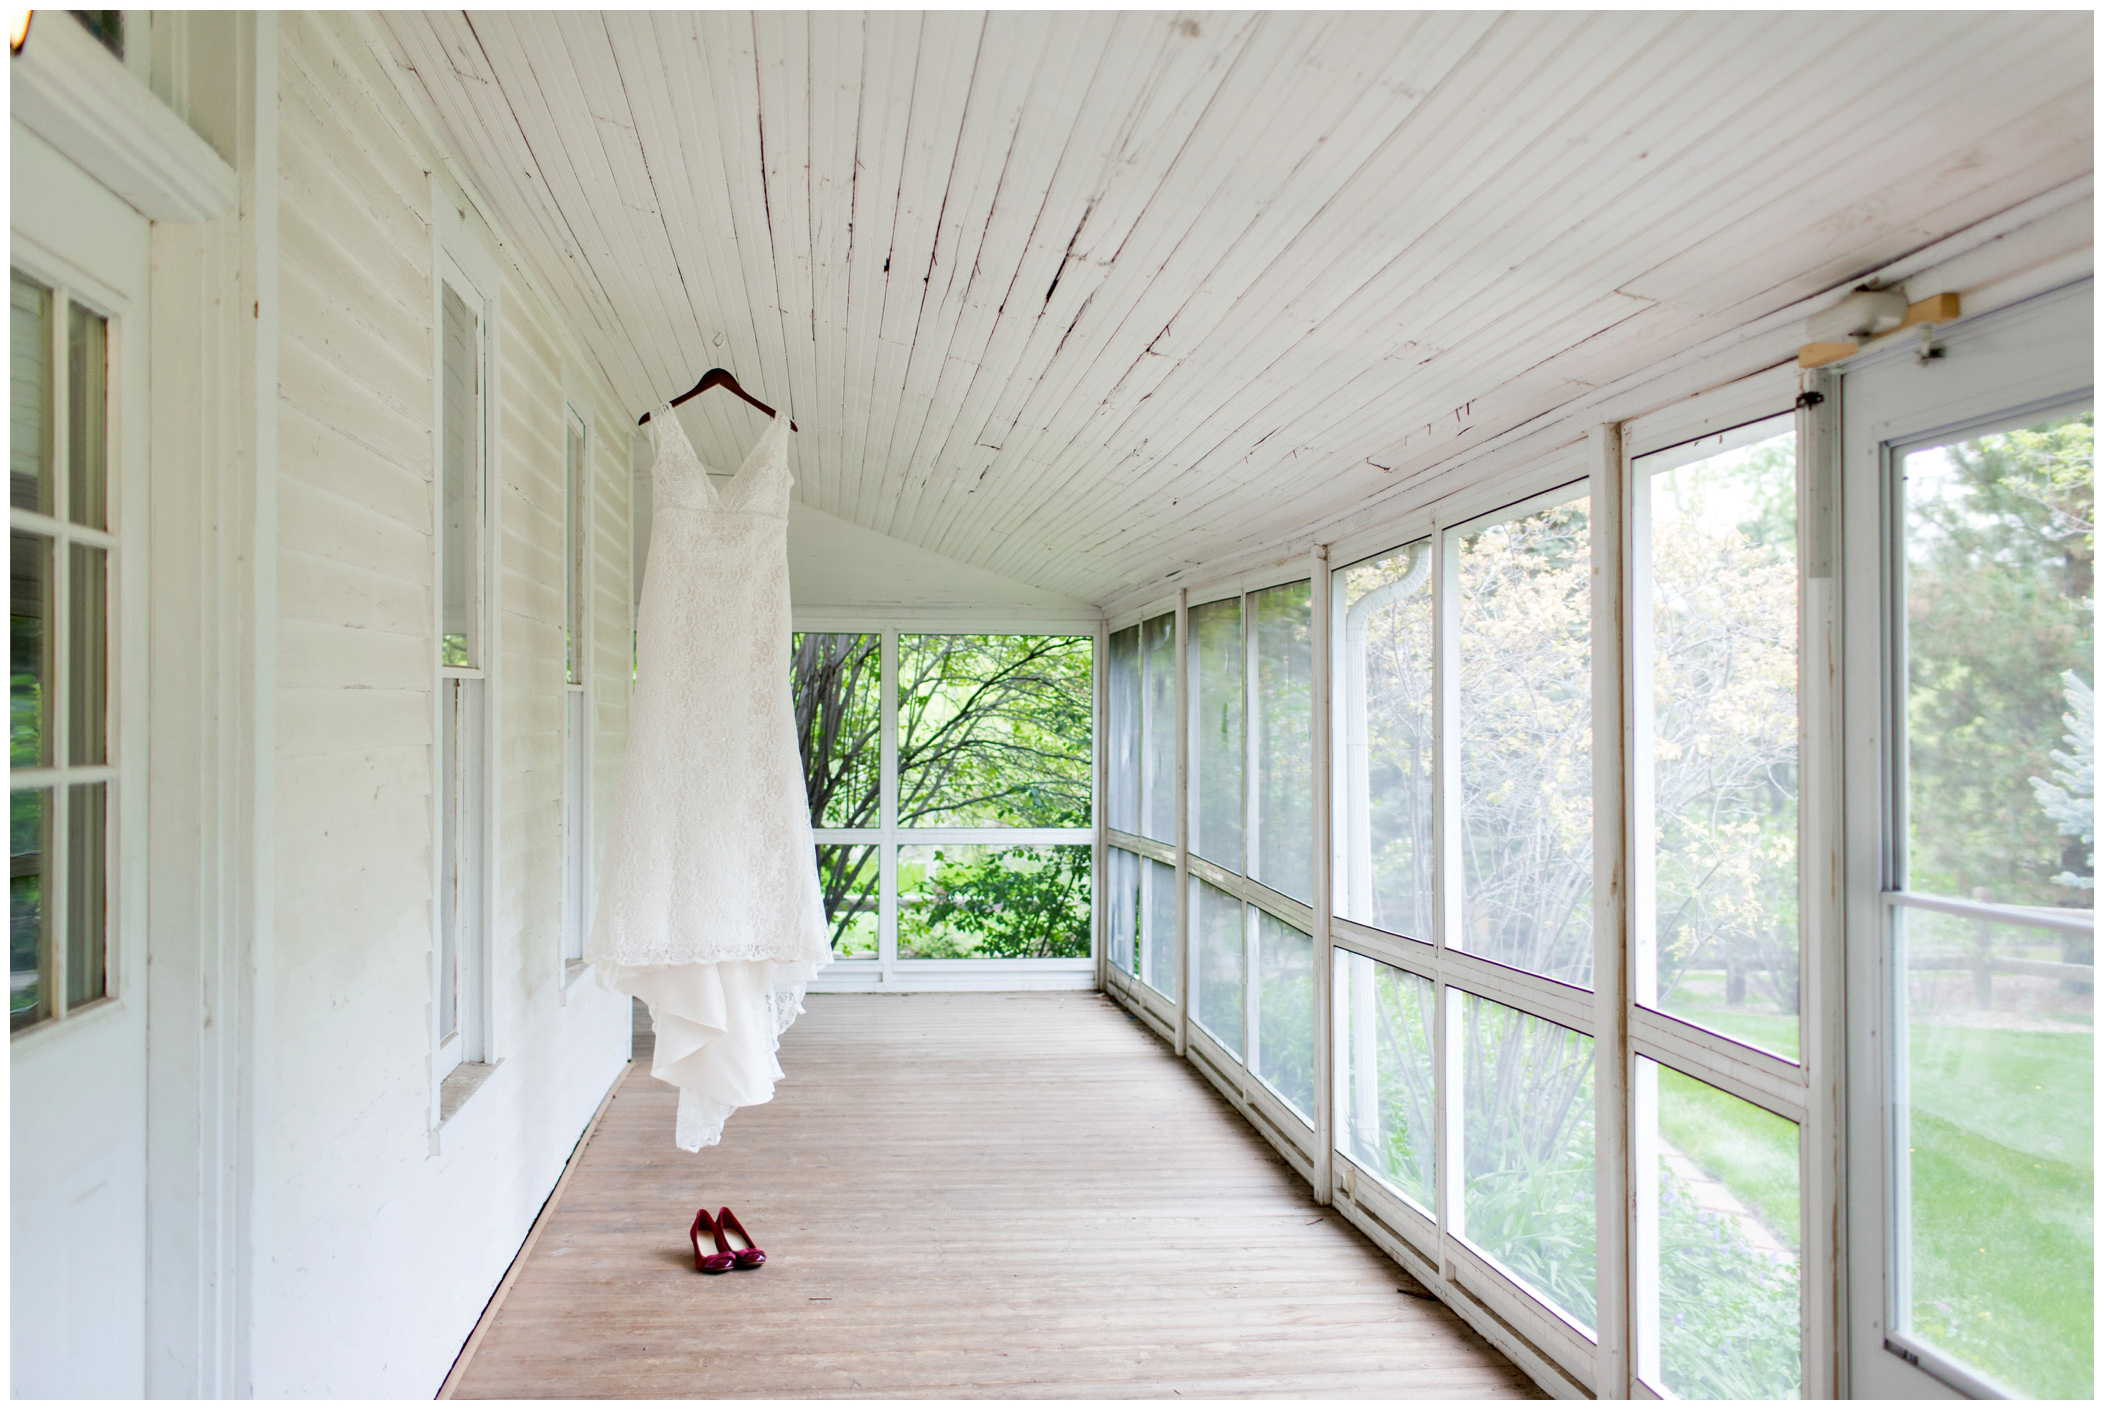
(1084, 298)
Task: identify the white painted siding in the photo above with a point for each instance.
(363, 1189)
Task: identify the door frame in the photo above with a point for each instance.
(105, 265)
(2030, 356)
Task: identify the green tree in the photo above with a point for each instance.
(2001, 548)
(993, 731)
(1028, 903)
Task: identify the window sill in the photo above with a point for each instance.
(453, 1094)
(43, 1033)
(574, 974)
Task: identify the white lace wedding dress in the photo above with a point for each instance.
(709, 907)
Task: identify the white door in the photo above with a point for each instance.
(1968, 504)
(76, 806)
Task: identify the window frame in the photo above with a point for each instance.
(2029, 360)
(1167, 1007)
(580, 639)
(462, 262)
(123, 838)
(1429, 1243)
(886, 969)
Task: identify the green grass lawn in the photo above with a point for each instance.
(1752, 1152)
(2004, 1203)
(2002, 1184)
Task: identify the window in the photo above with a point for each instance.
(966, 901)
(1519, 599)
(1717, 1241)
(60, 758)
(1715, 744)
(1281, 741)
(1713, 650)
(1158, 728)
(1477, 1093)
(1139, 793)
(1282, 1028)
(1158, 913)
(1122, 909)
(577, 710)
(1216, 964)
(994, 731)
(1991, 899)
(961, 832)
(1217, 698)
(1121, 784)
(1384, 1065)
(1527, 1149)
(465, 696)
(1383, 701)
(836, 686)
(1249, 693)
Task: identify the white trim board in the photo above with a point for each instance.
(76, 95)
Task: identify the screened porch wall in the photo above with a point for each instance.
(1395, 1019)
(1575, 1000)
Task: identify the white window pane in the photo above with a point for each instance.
(1717, 1245)
(574, 481)
(1158, 967)
(1216, 693)
(1284, 1043)
(1527, 1150)
(995, 730)
(1216, 964)
(848, 883)
(835, 689)
(577, 842)
(460, 457)
(87, 417)
(463, 851)
(1719, 927)
(1384, 745)
(29, 395)
(1524, 618)
(87, 892)
(87, 654)
(1384, 1028)
(1158, 728)
(1122, 906)
(29, 822)
(1997, 1148)
(1995, 1045)
(1282, 742)
(31, 597)
(1121, 787)
(987, 901)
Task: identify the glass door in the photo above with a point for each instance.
(1968, 515)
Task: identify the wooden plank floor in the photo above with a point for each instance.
(965, 1195)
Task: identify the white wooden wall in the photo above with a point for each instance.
(363, 1189)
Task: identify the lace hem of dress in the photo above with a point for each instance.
(701, 1119)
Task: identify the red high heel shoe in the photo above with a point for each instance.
(722, 1260)
(727, 1224)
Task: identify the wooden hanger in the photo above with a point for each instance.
(717, 377)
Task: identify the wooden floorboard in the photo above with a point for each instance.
(965, 1195)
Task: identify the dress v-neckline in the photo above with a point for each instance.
(716, 494)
